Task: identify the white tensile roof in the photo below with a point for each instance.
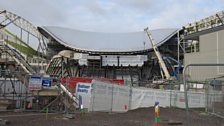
(108, 42)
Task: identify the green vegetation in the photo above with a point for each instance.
(26, 50)
(21, 45)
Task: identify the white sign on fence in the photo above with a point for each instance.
(84, 90)
(35, 83)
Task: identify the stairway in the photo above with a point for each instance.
(23, 65)
(4, 47)
(28, 70)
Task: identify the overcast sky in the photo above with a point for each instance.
(113, 15)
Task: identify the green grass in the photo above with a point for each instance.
(22, 46)
(14, 36)
(25, 50)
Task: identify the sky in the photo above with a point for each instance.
(113, 15)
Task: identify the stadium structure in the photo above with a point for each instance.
(129, 58)
(126, 56)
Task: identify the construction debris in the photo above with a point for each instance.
(4, 122)
(68, 116)
(173, 122)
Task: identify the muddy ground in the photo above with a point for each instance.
(139, 117)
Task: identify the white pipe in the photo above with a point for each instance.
(61, 86)
(156, 50)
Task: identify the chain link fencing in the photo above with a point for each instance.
(209, 80)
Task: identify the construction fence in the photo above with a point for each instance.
(14, 92)
(215, 101)
(109, 97)
(208, 78)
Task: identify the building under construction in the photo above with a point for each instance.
(126, 56)
(133, 57)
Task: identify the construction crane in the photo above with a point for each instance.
(158, 55)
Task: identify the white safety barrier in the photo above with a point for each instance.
(109, 97)
(144, 97)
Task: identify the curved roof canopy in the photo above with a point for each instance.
(106, 42)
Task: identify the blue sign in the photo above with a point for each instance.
(46, 82)
(35, 77)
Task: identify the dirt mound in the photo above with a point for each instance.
(138, 117)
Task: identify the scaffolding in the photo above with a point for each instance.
(215, 20)
(19, 58)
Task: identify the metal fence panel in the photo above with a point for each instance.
(109, 97)
(121, 98)
(101, 99)
(215, 101)
(213, 87)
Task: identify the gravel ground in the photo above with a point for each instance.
(139, 117)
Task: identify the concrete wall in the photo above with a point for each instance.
(211, 51)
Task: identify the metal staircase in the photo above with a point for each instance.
(4, 47)
(27, 69)
(14, 48)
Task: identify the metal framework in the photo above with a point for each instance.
(13, 71)
(22, 55)
(10, 71)
(8, 18)
(188, 37)
(206, 23)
